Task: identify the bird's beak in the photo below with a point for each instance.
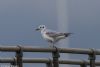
(37, 29)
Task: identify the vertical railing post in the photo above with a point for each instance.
(56, 56)
(49, 64)
(19, 55)
(84, 64)
(13, 64)
(92, 58)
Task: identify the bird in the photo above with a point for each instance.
(51, 36)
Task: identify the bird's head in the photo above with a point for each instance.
(41, 27)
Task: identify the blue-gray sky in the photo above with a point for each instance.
(18, 19)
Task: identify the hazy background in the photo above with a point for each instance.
(19, 18)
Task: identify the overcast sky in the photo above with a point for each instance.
(19, 18)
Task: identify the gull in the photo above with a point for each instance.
(51, 36)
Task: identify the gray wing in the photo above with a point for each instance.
(54, 34)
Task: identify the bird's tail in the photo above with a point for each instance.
(67, 34)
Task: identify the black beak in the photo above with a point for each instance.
(37, 29)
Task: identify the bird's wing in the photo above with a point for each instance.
(54, 34)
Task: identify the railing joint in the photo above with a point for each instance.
(19, 55)
(49, 64)
(84, 64)
(92, 57)
(56, 56)
(14, 62)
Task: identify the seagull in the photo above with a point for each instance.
(51, 36)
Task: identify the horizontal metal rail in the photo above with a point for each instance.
(44, 60)
(39, 49)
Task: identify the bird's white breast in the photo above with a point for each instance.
(45, 36)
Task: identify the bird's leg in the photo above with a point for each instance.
(53, 45)
(50, 45)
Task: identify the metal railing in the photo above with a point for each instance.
(19, 60)
(46, 61)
